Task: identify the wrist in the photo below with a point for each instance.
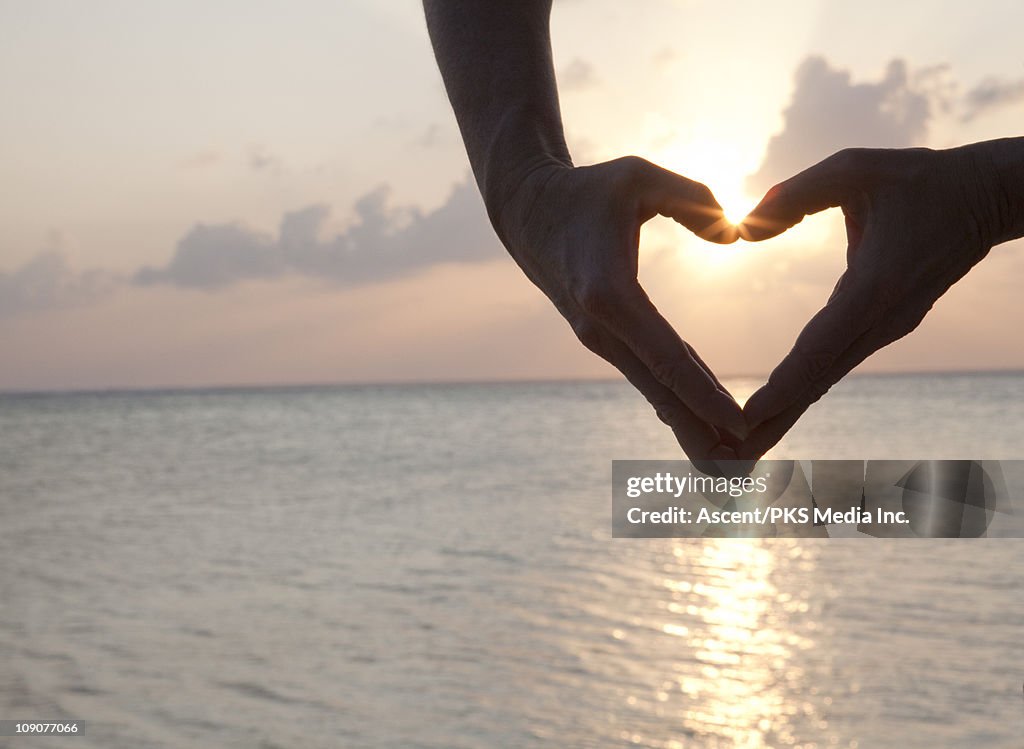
(522, 158)
(524, 153)
(1002, 164)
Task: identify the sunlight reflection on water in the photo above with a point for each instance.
(431, 567)
(717, 633)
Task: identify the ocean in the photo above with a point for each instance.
(424, 566)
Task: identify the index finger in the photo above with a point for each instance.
(627, 312)
(764, 436)
(827, 184)
(848, 315)
(698, 439)
(688, 203)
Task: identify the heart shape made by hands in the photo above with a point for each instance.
(916, 222)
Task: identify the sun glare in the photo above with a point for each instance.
(719, 166)
(723, 169)
(735, 205)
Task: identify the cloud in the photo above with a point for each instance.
(211, 256)
(432, 137)
(383, 243)
(577, 75)
(991, 93)
(260, 159)
(47, 282)
(829, 112)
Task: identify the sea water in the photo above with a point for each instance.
(431, 566)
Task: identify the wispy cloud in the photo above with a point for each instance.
(48, 282)
(991, 94)
(382, 244)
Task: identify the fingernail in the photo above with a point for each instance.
(729, 234)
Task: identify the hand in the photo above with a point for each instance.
(575, 233)
(916, 221)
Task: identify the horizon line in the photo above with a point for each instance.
(328, 384)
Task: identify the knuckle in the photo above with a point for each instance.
(628, 176)
(633, 173)
(811, 366)
(596, 297)
(817, 390)
(701, 192)
(667, 408)
(664, 371)
(848, 159)
(778, 190)
(846, 156)
(666, 413)
(590, 297)
(589, 334)
(908, 321)
(635, 165)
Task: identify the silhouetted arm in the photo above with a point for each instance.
(575, 231)
(495, 59)
(917, 221)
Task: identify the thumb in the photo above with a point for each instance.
(827, 184)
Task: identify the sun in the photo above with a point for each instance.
(735, 204)
(719, 166)
(724, 169)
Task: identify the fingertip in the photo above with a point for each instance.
(718, 228)
(767, 435)
(693, 205)
(729, 233)
(758, 226)
(737, 422)
(725, 412)
(759, 408)
(764, 220)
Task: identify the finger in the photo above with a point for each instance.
(766, 435)
(627, 313)
(827, 184)
(700, 362)
(688, 203)
(697, 438)
(730, 437)
(851, 311)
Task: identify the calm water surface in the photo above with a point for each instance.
(431, 566)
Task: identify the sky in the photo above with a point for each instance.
(222, 192)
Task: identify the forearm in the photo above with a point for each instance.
(495, 59)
